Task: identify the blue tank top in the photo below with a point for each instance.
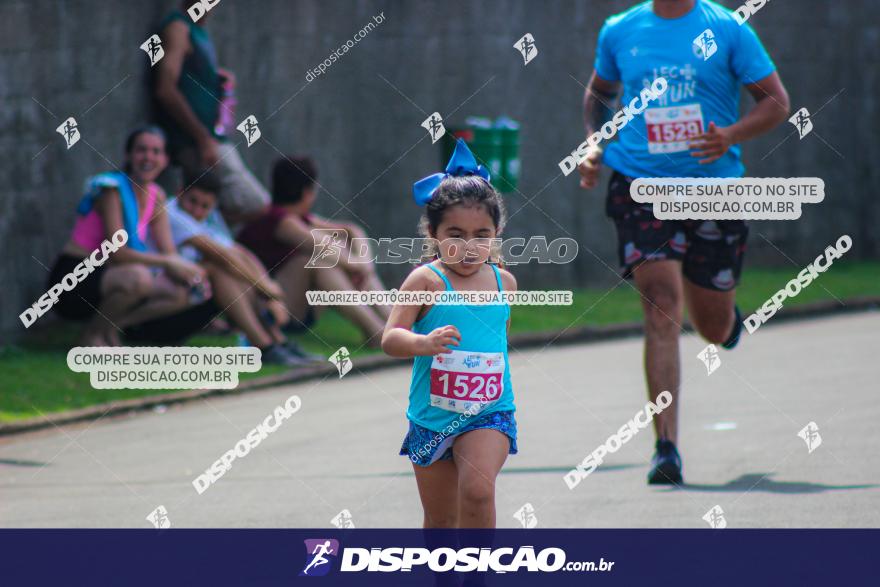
(474, 378)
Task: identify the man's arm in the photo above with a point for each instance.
(177, 45)
(599, 99)
(771, 107)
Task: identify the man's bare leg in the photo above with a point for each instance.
(711, 312)
(660, 284)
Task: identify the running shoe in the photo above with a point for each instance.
(733, 339)
(279, 355)
(665, 465)
(297, 351)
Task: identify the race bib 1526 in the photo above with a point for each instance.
(461, 381)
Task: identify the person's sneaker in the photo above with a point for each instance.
(278, 355)
(665, 465)
(297, 351)
(733, 339)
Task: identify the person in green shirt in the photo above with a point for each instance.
(191, 93)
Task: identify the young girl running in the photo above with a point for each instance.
(461, 422)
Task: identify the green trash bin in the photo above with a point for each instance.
(508, 130)
(495, 145)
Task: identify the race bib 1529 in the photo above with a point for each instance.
(671, 129)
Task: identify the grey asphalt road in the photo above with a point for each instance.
(339, 451)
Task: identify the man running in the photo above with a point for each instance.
(693, 130)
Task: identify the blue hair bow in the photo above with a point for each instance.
(462, 163)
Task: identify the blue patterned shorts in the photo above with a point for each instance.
(417, 445)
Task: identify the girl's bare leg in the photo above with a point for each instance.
(479, 455)
(438, 490)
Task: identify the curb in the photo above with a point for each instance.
(582, 334)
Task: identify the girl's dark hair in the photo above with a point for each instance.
(291, 176)
(467, 190)
(149, 129)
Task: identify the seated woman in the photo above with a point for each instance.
(242, 287)
(134, 285)
(282, 239)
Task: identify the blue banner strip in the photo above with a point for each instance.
(302, 557)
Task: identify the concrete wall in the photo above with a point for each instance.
(361, 118)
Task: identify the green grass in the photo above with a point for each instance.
(34, 377)
(598, 307)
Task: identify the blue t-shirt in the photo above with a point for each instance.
(637, 46)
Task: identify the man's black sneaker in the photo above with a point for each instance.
(733, 339)
(665, 465)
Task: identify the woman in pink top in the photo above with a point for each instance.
(137, 282)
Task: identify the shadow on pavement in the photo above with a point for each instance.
(504, 471)
(763, 482)
(561, 470)
(21, 463)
